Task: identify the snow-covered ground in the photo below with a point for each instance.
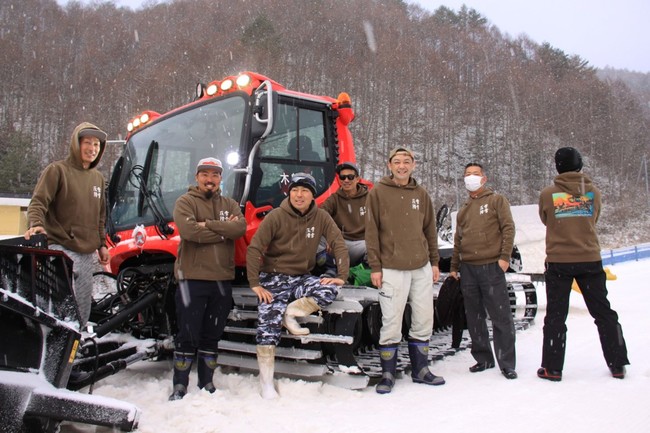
(588, 400)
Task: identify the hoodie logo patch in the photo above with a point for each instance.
(568, 205)
(224, 215)
(415, 204)
(97, 192)
(483, 209)
(362, 211)
(311, 232)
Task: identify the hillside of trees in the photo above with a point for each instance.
(448, 84)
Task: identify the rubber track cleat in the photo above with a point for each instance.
(552, 375)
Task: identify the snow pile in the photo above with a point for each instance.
(588, 400)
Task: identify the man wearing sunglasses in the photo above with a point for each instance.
(347, 206)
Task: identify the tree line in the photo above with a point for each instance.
(448, 84)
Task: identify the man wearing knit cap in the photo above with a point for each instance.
(68, 205)
(569, 209)
(402, 243)
(278, 262)
(208, 224)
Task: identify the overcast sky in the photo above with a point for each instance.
(612, 33)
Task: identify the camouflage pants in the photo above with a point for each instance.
(285, 289)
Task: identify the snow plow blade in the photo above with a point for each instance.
(39, 338)
(35, 405)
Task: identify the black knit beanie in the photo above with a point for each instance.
(567, 159)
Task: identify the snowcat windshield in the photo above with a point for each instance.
(160, 161)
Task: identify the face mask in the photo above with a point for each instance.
(473, 182)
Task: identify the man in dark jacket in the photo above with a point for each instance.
(569, 209)
(279, 260)
(68, 205)
(402, 244)
(485, 234)
(208, 224)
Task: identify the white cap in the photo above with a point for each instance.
(209, 164)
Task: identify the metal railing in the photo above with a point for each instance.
(626, 254)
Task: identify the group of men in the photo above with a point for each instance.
(391, 228)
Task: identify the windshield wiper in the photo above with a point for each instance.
(141, 175)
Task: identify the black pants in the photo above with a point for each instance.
(202, 308)
(591, 279)
(485, 292)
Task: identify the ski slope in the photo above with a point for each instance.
(588, 400)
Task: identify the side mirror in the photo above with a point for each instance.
(264, 108)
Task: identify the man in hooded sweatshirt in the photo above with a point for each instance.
(569, 209)
(485, 234)
(279, 260)
(347, 206)
(68, 206)
(402, 243)
(208, 224)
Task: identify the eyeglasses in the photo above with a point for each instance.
(347, 176)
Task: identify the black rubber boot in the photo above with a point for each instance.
(420, 373)
(388, 358)
(182, 366)
(207, 362)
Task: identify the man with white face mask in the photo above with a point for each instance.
(485, 233)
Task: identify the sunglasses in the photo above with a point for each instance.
(347, 176)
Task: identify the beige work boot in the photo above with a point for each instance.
(301, 307)
(266, 363)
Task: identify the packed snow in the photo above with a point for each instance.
(587, 399)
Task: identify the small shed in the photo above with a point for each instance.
(13, 216)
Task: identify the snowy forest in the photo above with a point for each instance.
(448, 84)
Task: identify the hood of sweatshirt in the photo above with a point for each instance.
(388, 181)
(362, 190)
(194, 191)
(574, 183)
(486, 191)
(286, 207)
(75, 152)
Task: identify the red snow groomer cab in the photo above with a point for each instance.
(262, 133)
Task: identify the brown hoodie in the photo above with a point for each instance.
(69, 200)
(349, 213)
(207, 253)
(400, 227)
(485, 231)
(569, 209)
(286, 243)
